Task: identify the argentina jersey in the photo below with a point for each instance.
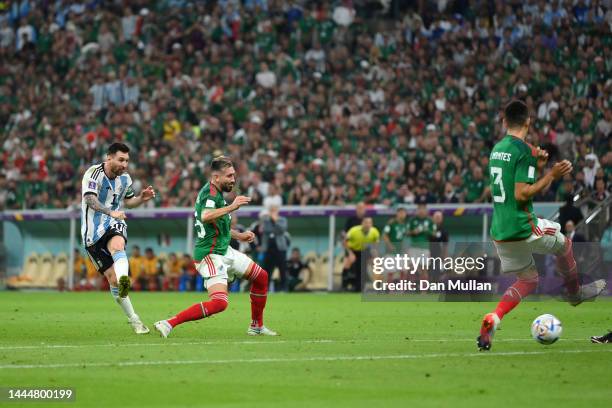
(110, 193)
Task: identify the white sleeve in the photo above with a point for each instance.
(92, 181)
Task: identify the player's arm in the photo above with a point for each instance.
(132, 200)
(525, 191)
(246, 236)
(210, 215)
(92, 202)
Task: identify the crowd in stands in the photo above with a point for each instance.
(317, 102)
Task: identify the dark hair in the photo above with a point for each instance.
(220, 163)
(118, 147)
(516, 113)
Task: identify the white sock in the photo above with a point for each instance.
(125, 302)
(121, 264)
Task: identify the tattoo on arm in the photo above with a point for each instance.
(94, 204)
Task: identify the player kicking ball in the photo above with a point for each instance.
(106, 188)
(516, 231)
(215, 260)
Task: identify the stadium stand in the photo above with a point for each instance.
(315, 98)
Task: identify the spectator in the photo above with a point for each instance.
(590, 170)
(274, 244)
(265, 77)
(85, 274)
(172, 273)
(151, 270)
(600, 194)
(569, 212)
(476, 187)
(299, 274)
(316, 95)
(137, 269)
(570, 232)
(273, 198)
(190, 278)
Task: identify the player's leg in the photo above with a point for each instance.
(552, 241)
(214, 271)
(243, 267)
(116, 247)
(605, 339)
(120, 270)
(515, 258)
(347, 263)
(104, 262)
(125, 303)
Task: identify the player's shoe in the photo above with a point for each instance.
(124, 286)
(606, 338)
(487, 330)
(261, 331)
(588, 292)
(163, 327)
(138, 326)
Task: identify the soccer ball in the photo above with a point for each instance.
(546, 329)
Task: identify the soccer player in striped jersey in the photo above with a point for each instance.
(106, 188)
(516, 231)
(216, 260)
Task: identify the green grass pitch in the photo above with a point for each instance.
(335, 350)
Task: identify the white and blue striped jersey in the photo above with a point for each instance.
(110, 193)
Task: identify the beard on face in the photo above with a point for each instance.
(227, 187)
(117, 171)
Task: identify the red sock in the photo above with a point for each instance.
(567, 268)
(259, 294)
(514, 294)
(216, 304)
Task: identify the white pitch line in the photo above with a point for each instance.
(255, 342)
(193, 343)
(301, 359)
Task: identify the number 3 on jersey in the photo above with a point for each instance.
(496, 173)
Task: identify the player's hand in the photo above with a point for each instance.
(542, 158)
(148, 193)
(239, 201)
(561, 168)
(247, 236)
(120, 215)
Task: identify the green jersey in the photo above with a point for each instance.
(512, 161)
(425, 228)
(395, 230)
(213, 237)
(474, 189)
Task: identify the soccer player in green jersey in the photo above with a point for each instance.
(516, 231)
(420, 229)
(215, 260)
(395, 231)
